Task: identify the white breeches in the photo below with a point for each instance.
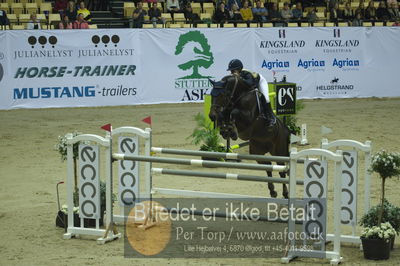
(263, 86)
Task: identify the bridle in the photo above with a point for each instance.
(230, 102)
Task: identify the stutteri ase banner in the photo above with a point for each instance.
(42, 69)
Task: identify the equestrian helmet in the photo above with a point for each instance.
(235, 64)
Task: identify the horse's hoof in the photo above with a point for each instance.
(286, 195)
(273, 194)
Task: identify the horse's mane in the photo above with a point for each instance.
(231, 78)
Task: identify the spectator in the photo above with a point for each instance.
(71, 11)
(335, 14)
(221, 15)
(84, 11)
(382, 12)
(230, 3)
(191, 17)
(274, 14)
(65, 23)
(60, 6)
(34, 23)
(393, 11)
(370, 12)
(246, 12)
(80, 22)
(155, 15)
(348, 12)
(173, 7)
(3, 18)
(298, 12)
(360, 10)
(312, 15)
(234, 15)
(183, 4)
(150, 2)
(260, 13)
(396, 23)
(286, 13)
(102, 5)
(332, 3)
(138, 16)
(357, 21)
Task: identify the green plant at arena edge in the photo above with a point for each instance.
(61, 147)
(206, 135)
(102, 196)
(391, 214)
(387, 165)
(291, 120)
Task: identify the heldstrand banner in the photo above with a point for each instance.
(42, 69)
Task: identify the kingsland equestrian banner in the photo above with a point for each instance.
(42, 69)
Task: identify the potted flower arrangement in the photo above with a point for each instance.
(207, 135)
(391, 214)
(61, 147)
(376, 239)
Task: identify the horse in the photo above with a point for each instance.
(235, 109)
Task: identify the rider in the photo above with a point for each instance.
(257, 81)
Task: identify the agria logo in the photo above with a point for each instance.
(195, 84)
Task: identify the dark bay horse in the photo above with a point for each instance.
(235, 109)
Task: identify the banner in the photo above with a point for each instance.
(42, 69)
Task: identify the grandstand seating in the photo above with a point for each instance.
(18, 12)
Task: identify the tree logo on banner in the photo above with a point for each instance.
(202, 55)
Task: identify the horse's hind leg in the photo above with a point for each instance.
(271, 186)
(285, 191)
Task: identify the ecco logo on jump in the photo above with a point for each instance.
(89, 181)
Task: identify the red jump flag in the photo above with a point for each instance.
(147, 120)
(107, 127)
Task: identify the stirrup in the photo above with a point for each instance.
(270, 122)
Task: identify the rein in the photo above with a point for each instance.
(244, 94)
(232, 102)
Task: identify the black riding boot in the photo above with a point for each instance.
(268, 113)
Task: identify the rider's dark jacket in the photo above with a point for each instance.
(251, 78)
